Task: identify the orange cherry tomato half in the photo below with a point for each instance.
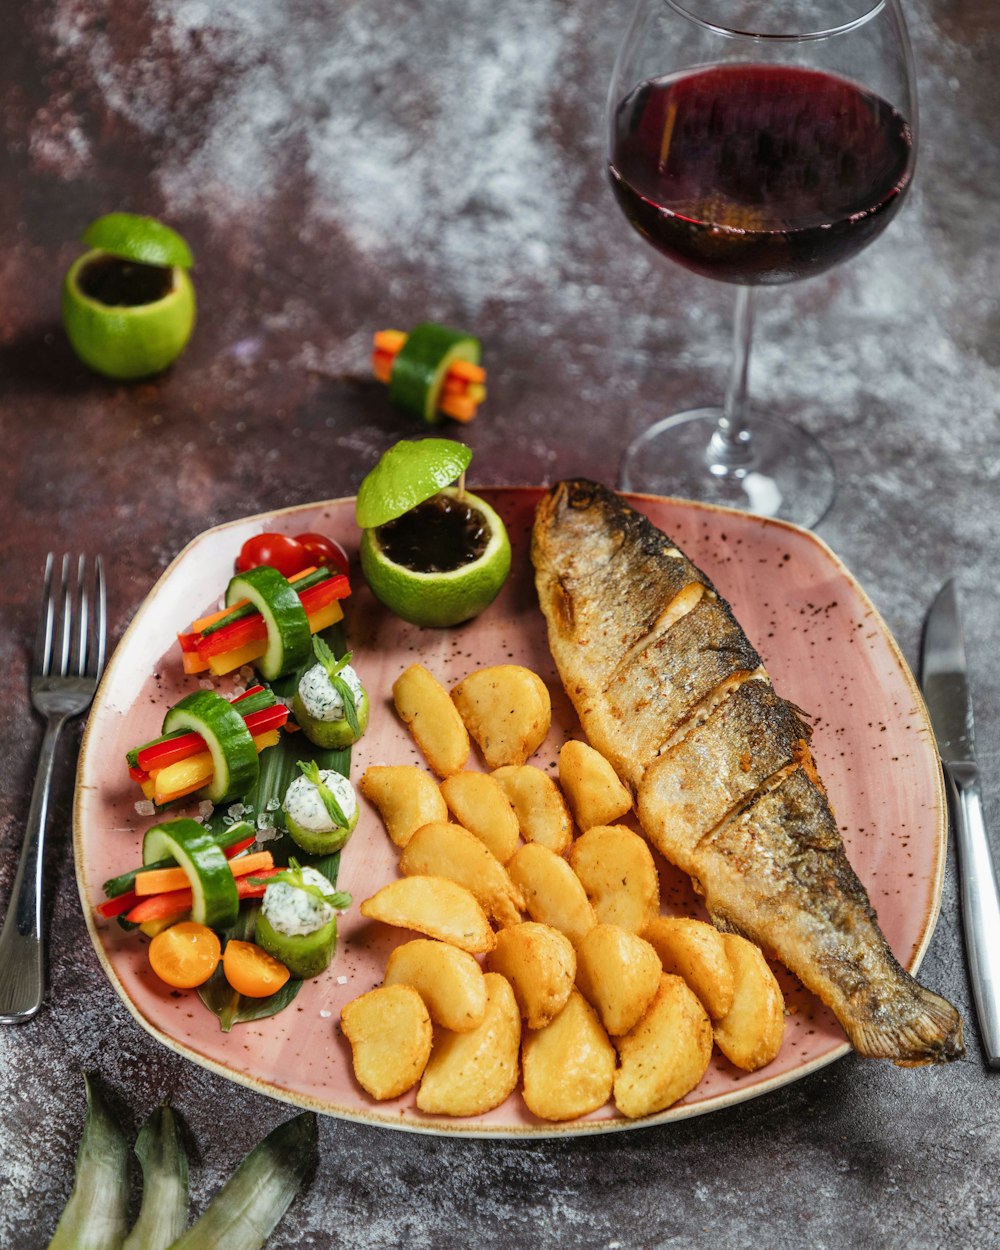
(185, 955)
(323, 550)
(278, 550)
(250, 970)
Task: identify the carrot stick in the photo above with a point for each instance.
(178, 902)
(163, 880)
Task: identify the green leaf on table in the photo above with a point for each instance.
(94, 1218)
(247, 1209)
(164, 1212)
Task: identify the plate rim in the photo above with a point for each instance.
(542, 1130)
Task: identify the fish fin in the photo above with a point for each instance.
(931, 1033)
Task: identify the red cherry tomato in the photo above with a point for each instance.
(323, 550)
(278, 550)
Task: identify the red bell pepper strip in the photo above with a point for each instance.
(111, 907)
(316, 597)
(234, 637)
(161, 754)
(266, 719)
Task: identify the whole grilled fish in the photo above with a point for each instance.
(669, 689)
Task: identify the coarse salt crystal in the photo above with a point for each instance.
(246, 673)
(206, 684)
(273, 804)
(238, 690)
(341, 980)
(205, 808)
(235, 810)
(325, 1015)
(145, 807)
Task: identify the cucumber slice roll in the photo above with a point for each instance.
(289, 640)
(231, 744)
(321, 809)
(331, 705)
(297, 923)
(422, 363)
(215, 901)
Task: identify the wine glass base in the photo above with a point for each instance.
(788, 474)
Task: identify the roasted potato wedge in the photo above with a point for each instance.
(406, 797)
(617, 870)
(665, 1055)
(449, 980)
(470, 1073)
(507, 710)
(552, 891)
(433, 906)
(390, 1034)
(424, 706)
(568, 1066)
(442, 849)
(618, 974)
(540, 964)
(750, 1033)
(695, 951)
(542, 814)
(591, 786)
(481, 805)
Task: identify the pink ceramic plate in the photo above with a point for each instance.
(824, 645)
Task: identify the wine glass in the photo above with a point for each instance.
(756, 142)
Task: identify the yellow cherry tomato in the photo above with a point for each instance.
(185, 955)
(250, 970)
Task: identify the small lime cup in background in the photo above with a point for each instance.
(128, 303)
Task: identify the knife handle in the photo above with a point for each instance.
(980, 905)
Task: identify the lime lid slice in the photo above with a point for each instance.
(142, 239)
(407, 474)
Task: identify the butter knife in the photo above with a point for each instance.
(943, 676)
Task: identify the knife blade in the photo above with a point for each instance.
(944, 679)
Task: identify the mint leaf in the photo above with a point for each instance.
(310, 770)
(334, 668)
(292, 875)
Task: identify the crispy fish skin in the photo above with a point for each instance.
(608, 588)
(721, 763)
(660, 686)
(778, 875)
(772, 866)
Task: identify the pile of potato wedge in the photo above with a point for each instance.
(543, 956)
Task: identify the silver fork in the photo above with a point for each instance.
(67, 667)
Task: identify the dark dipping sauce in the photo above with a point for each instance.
(119, 283)
(436, 536)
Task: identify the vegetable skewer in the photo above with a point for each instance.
(242, 634)
(209, 745)
(432, 371)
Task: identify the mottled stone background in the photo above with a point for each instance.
(345, 165)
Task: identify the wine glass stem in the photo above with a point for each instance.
(730, 449)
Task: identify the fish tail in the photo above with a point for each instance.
(929, 1030)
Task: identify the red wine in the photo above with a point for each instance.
(758, 173)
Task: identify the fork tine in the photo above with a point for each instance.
(101, 621)
(67, 617)
(43, 636)
(82, 615)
